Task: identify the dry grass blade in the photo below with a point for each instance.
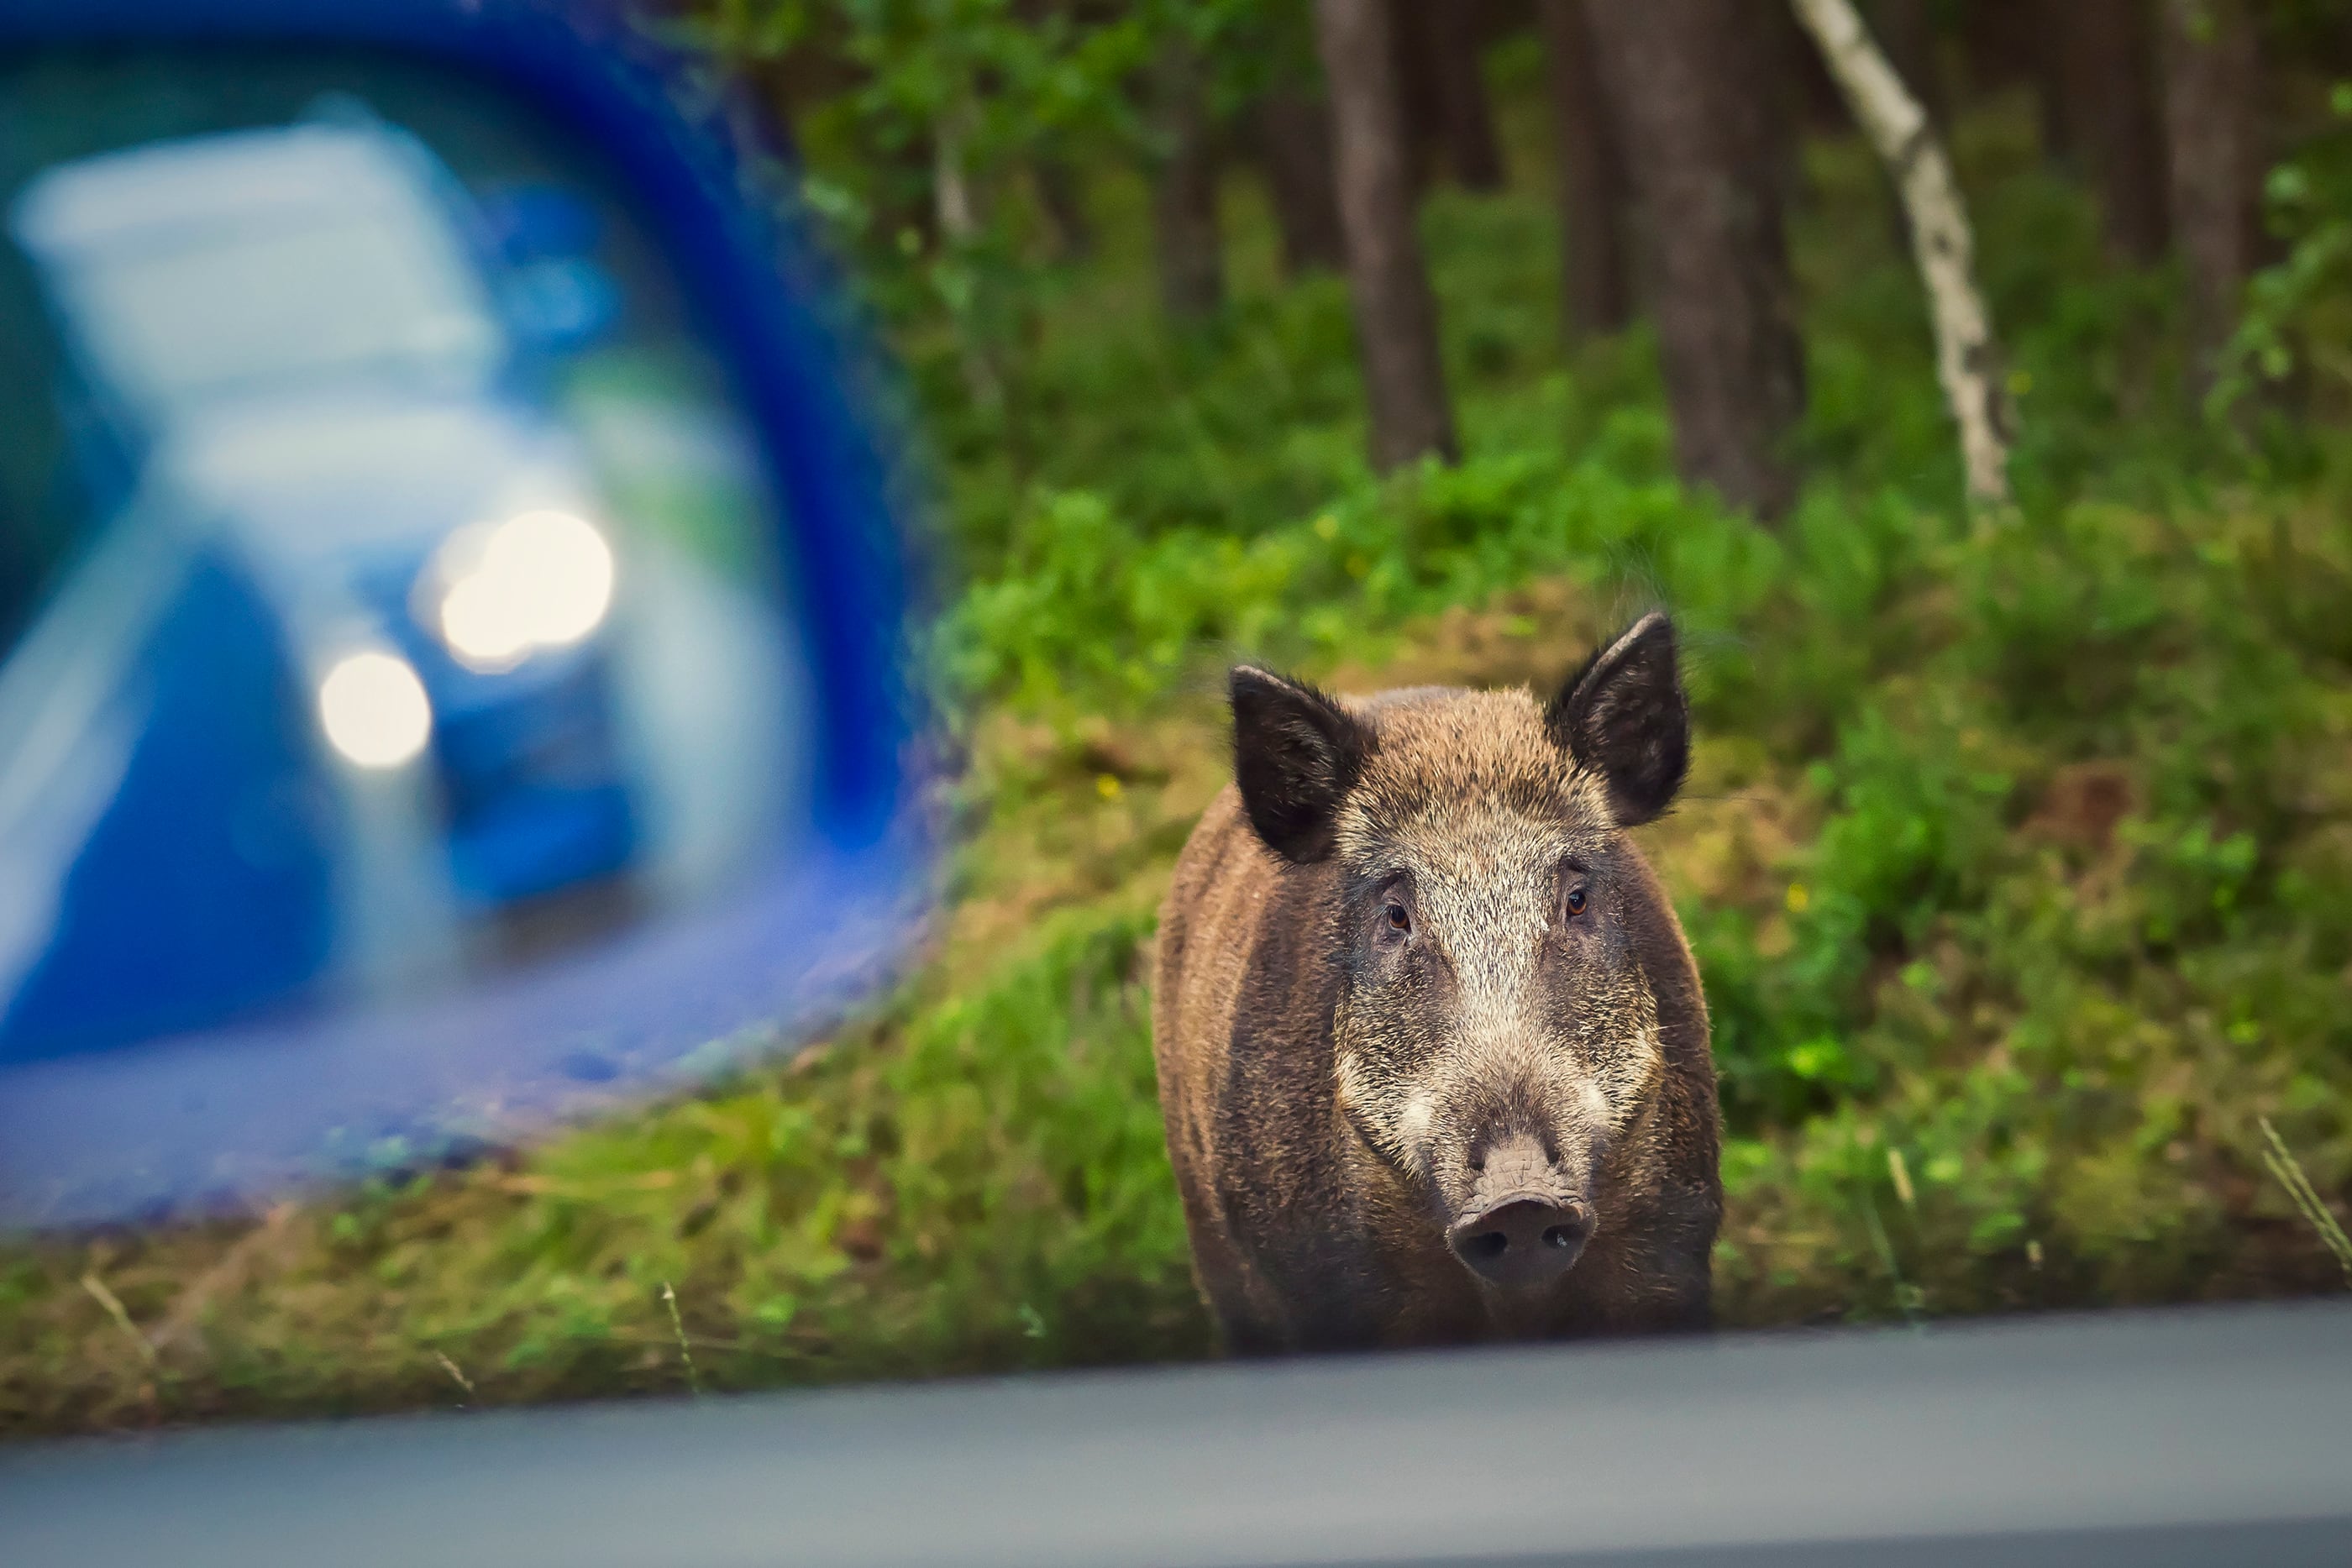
(1898, 1171)
(122, 1316)
(685, 1352)
(1908, 1298)
(452, 1368)
(2290, 1173)
(232, 1274)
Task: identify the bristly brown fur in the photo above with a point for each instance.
(1327, 1092)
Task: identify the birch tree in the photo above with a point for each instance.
(1898, 127)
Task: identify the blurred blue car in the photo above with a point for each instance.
(330, 679)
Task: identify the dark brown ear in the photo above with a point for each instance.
(1297, 754)
(1625, 716)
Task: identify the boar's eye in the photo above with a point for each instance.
(1576, 902)
(1396, 919)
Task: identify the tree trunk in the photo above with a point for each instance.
(1999, 42)
(1294, 133)
(2018, 43)
(1184, 191)
(2212, 72)
(1898, 128)
(2054, 116)
(1597, 296)
(1906, 29)
(1054, 171)
(1396, 315)
(955, 205)
(1792, 98)
(1809, 95)
(1418, 97)
(1062, 197)
(1446, 36)
(2110, 96)
(956, 211)
(1700, 142)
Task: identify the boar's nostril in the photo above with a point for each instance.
(1522, 1242)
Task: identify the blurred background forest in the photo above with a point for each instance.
(1397, 343)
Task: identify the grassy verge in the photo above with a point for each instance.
(2019, 858)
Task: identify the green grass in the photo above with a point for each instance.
(2017, 857)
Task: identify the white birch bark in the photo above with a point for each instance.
(1898, 128)
(958, 216)
(957, 211)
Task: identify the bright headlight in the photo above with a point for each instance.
(544, 579)
(374, 710)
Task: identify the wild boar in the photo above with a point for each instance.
(1432, 1053)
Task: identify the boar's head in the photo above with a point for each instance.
(1496, 1041)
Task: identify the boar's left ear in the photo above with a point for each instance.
(1297, 754)
(1623, 715)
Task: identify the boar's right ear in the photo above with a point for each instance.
(1625, 716)
(1297, 753)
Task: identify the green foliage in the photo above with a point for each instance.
(1091, 609)
(979, 1182)
(2298, 318)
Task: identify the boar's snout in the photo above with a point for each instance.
(1526, 1242)
(1521, 1229)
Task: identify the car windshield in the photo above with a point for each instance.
(171, 319)
(1693, 703)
